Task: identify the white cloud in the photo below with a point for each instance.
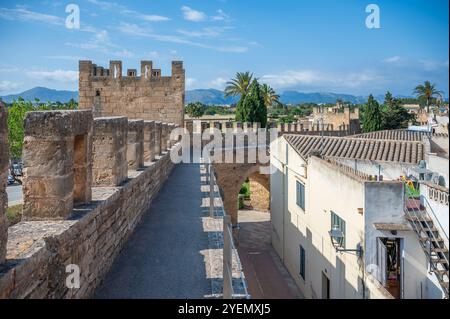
(320, 80)
(433, 65)
(22, 14)
(193, 15)
(57, 75)
(124, 54)
(125, 11)
(135, 30)
(218, 83)
(392, 59)
(190, 83)
(221, 16)
(291, 78)
(153, 18)
(66, 57)
(7, 86)
(209, 32)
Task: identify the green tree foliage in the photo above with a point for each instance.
(16, 116)
(395, 116)
(373, 117)
(251, 108)
(239, 85)
(427, 92)
(271, 98)
(195, 110)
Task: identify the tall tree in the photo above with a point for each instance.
(373, 118)
(252, 107)
(195, 110)
(16, 116)
(427, 91)
(239, 85)
(271, 98)
(395, 116)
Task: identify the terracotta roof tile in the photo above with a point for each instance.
(402, 151)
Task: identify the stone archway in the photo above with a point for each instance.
(230, 178)
(260, 192)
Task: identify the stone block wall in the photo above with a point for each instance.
(4, 163)
(149, 141)
(135, 144)
(149, 96)
(158, 132)
(56, 163)
(39, 251)
(110, 167)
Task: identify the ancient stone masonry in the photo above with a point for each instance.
(57, 163)
(149, 141)
(135, 147)
(338, 118)
(149, 96)
(4, 160)
(158, 131)
(301, 127)
(110, 167)
(68, 221)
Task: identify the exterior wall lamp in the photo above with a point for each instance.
(337, 236)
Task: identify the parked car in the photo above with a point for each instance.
(11, 180)
(17, 167)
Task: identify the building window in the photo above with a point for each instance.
(338, 223)
(302, 262)
(301, 195)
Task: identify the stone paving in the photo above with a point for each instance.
(266, 276)
(176, 251)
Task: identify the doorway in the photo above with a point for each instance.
(390, 263)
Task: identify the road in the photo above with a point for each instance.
(14, 194)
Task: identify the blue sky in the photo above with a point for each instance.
(320, 45)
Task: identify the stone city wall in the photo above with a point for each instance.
(66, 228)
(149, 96)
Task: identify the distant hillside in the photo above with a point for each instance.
(295, 97)
(44, 95)
(205, 96)
(208, 96)
(212, 96)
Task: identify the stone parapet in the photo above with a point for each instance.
(135, 144)
(39, 251)
(149, 141)
(110, 167)
(57, 163)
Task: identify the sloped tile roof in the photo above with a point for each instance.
(409, 152)
(398, 135)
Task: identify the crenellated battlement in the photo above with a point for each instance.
(147, 95)
(87, 183)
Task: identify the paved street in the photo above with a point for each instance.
(163, 258)
(14, 194)
(266, 276)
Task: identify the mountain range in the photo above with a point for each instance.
(205, 96)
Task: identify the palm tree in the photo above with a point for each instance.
(270, 96)
(239, 85)
(427, 91)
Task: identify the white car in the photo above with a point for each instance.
(10, 180)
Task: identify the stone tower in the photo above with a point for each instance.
(148, 96)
